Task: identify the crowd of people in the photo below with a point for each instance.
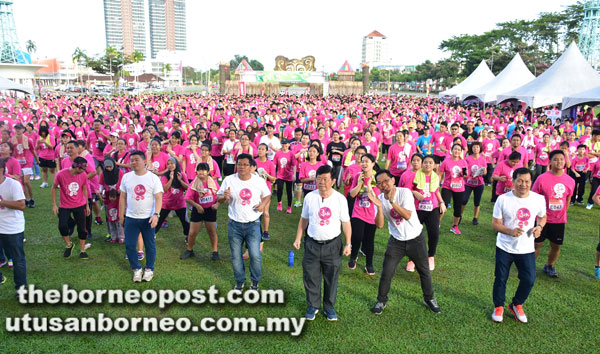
(349, 162)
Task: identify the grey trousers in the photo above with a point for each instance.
(416, 250)
(321, 262)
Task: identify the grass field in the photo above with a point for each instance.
(564, 314)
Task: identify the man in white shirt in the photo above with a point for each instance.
(12, 225)
(247, 196)
(397, 205)
(519, 217)
(323, 212)
(139, 207)
(271, 141)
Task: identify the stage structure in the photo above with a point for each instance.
(589, 34)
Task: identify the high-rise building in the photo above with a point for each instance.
(167, 25)
(375, 50)
(128, 27)
(125, 25)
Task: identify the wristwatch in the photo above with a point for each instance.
(349, 245)
(156, 214)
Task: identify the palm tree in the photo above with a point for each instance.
(78, 56)
(111, 53)
(137, 57)
(30, 46)
(167, 69)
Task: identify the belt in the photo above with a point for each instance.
(323, 242)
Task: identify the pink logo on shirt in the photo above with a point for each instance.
(397, 218)
(139, 191)
(523, 216)
(324, 215)
(245, 195)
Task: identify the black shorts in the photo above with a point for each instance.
(439, 159)
(47, 163)
(209, 215)
(98, 163)
(555, 233)
(298, 178)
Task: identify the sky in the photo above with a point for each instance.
(330, 30)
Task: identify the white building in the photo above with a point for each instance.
(158, 67)
(375, 49)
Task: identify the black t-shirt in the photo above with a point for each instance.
(335, 151)
(470, 137)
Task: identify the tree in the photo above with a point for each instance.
(237, 59)
(166, 69)
(78, 56)
(30, 46)
(137, 57)
(111, 53)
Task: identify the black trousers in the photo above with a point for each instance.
(219, 161)
(477, 193)
(88, 219)
(288, 189)
(539, 169)
(431, 219)
(321, 263)
(65, 223)
(595, 184)
(363, 236)
(180, 214)
(494, 194)
(457, 200)
(579, 189)
(416, 251)
(488, 177)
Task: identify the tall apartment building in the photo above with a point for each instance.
(128, 27)
(167, 25)
(125, 25)
(375, 49)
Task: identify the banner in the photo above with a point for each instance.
(242, 88)
(283, 76)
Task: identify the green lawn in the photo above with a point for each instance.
(563, 312)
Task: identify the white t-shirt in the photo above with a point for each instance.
(228, 145)
(276, 143)
(140, 194)
(400, 229)
(12, 221)
(325, 216)
(518, 212)
(244, 196)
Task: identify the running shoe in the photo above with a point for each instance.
(370, 270)
(37, 178)
(68, 250)
(279, 206)
(597, 270)
(517, 311)
(589, 206)
(455, 230)
(140, 255)
(352, 264)
(83, 255)
(330, 314)
(107, 238)
(378, 308)
(32, 203)
(98, 220)
(10, 263)
(137, 275)
(215, 256)
(239, 286)
(431, 263)
(44, 185)
(297, 204)
(254, 285)
(3, 263)
(311, 312)
(498, 314)
(164, 224)
(148, 275)
(266, 236)
(550, 271)
(432, 305)
(475, 221)
(187, 254)
(289, 210)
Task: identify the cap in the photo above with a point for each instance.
(285, 141)
(114, 134)
(491, 131)
(19, 126)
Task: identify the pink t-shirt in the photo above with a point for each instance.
(112, 209)
(131, 140)
(173, 198)
(399, 157)
(474, 166)
(13, 167)
(364, 209)
(159, 162)
(453, 174)
(265, 167)
(190, 161)
(44, 151)
(504, 154)
(372, 147)
(216, 143)
(24, 156)
(504, 169)
(557, 190)
(208, 198)
(285, 162)
(541, 154)
(350, 171)
(407, 179)
(489, 147)
(439, 141)
(93, 139)
(580, 164)
(430, 201)
(71, 189)
(309, 171)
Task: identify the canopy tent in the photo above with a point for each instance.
(481, 76)
(6, 84)
(243, 66)
(590, 97)
(346, 68)
(514, 75)
(570, 74)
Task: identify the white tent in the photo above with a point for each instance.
(514, 75)
(590, 97)
(6, 84)
(570, 74)
(481, 76)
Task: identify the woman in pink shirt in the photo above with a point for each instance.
(131, 138)
(579, 169)
(121, 156)
(156, 159)
(476, 169)
(429, 206)
(407, 178)
(191, 157)
(453, 171)
(175, 183)
(45, 151)
(284, 162)
(363, 213)
(370, 144)
(266, 170)
(504, 171)
(202, 197)
(308, 170)
(206, 157)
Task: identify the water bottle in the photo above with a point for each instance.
(291, 259)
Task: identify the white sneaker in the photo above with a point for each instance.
(43, 185)
(517, 311)
(148, 275)
(87, 245)
(137, 276)
(498, 314)
(37, 178)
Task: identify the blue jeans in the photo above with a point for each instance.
(36, 169)
(4, 253)
(13, 246)
(238, 233)
(133, 227)
(525, 264)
